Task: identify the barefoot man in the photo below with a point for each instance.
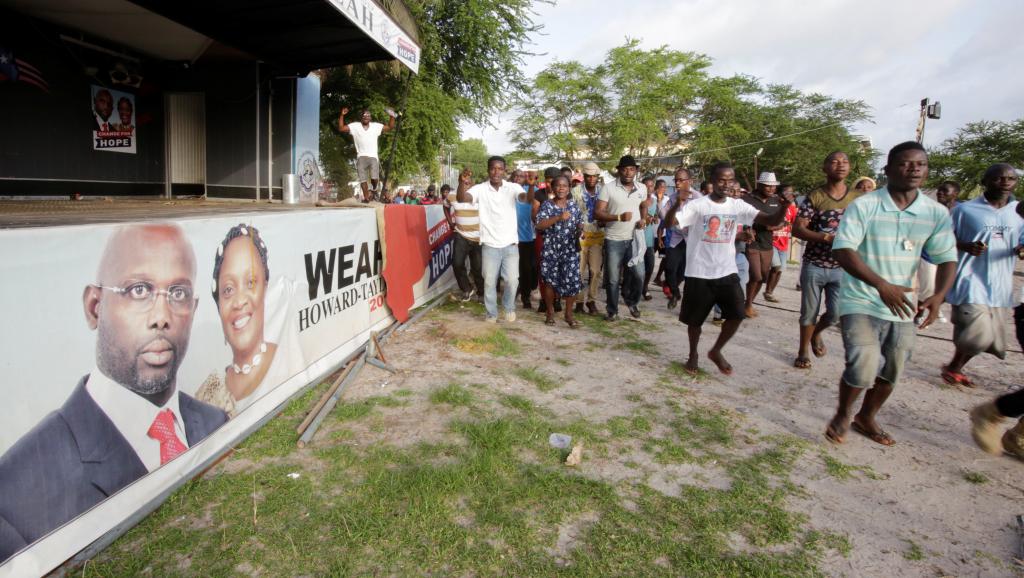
(879, 246)
(712, 278)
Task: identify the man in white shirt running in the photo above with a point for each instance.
(365, 134)
(711, 274)
(499, 234)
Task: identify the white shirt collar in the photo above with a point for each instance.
(132, 415)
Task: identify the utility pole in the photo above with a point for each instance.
(933, 111)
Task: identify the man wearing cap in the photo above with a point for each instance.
(592, 244)
(761, 251)
(621, 205)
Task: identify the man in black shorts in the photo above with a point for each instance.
(710, 225)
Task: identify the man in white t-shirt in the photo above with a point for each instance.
(711, 274)
(365, 134)
(499, 234)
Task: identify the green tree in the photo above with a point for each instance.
(471, 153)
(975, 147)
(469, 65)
(559, 111)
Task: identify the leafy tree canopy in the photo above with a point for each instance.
(469, 65)
(665, 103)
(975, 147)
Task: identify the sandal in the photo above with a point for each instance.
(833, 436)
(549, 321)
(880, 437)
(818, 347)
(802, 363)
(954, 378)
(572, 323)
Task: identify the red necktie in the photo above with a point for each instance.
(162, 431)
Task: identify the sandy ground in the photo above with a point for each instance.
(913, 493)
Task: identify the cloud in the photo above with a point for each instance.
(888, 53)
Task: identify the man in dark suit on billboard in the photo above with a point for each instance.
(126, 417)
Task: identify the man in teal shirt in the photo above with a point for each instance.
(989, 235)
(879, 246)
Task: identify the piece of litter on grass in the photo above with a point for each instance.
(560, 441)
(575, 456)
(294, 475)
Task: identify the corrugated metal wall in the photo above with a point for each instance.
(186, 138)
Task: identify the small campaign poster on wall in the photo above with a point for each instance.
(113, 114)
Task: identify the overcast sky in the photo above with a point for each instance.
(888, 53)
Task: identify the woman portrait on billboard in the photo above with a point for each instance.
(264, 352)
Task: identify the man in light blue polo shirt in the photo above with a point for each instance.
(989, 235)
(878, 245)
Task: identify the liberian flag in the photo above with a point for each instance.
(17, 70)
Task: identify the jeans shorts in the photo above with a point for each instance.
(875, 348)
(814, 281)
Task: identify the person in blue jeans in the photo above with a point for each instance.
(622, 206)
(499, 235)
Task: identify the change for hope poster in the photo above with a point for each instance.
(113, 127)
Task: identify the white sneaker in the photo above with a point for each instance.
(467, 295)
(491, 319)
(942, 318)
(509, 316)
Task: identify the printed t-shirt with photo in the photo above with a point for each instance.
(823, 214)
(710, 248)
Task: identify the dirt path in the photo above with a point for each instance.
(933, 505)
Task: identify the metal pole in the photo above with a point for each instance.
(921, 120)
(270, 143)
(398, 131)
(257, 132)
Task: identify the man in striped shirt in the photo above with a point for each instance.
(466, 216)
(879, 246)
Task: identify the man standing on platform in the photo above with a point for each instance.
(879, 246)
(989, 237)
(592, 244)
(499, 235)
(365, 134)
(621, 205)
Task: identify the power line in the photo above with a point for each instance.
(687, 153)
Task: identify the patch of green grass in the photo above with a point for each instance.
(452, 394)
(634, 397)
(563, 362)
(836, 468)
(818, 541)
(496, 342)
(975, 477)
(493, 502)
(914, 552)
(520, 403)
(842, 471)
(543, 381)
(402, 392)
(641, 345)
(623, 427)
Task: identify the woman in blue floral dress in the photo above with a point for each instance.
(562, 223)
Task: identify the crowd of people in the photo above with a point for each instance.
(878, 262)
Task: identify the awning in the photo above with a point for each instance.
(299, 35)
(291, 36)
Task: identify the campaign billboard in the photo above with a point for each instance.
(140, 352)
